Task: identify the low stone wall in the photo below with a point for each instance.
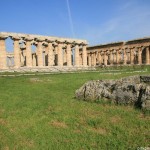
(128, 91)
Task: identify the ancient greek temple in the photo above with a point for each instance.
(59, 52)
(133, 52)
(50, 51)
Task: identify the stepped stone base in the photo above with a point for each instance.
(48, 69)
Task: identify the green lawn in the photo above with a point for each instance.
(44, 115)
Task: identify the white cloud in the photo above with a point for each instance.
(132, 21)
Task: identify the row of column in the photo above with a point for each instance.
(30, 60)
(123, 56)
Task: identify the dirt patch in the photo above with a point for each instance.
(77, 131)
(101, 131)
(35, 80)
(115, 119)
(3, 122)
(58, 124)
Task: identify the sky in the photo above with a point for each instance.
(97, 21)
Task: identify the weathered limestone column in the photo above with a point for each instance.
(139, 56)
(28, 52)
(77, 55)
(89, 59)
(17, 60)
(98, 57)
(84, 55)
(3, 56)
(131, 57)
(105, 58)
(80, 59)
(50, 53)
(111, 58)
(64, 57)
(34, 60)
(94, 59)
(117, 57)
(40, 52)
(124, 57)
(60, 54)
(147, 55)
(69, 55)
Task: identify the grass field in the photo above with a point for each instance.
(40, 113)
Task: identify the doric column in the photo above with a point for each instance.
(40, 52)
(64, 57)
(94, 59)
(28, 52)
(147, 55)
(34, 59)
(105, 58)
(17, 59)
(84, 55)
(50, 53)
(89, 59)
(3, 55)
(131, 57)
(69, 55)
(77, 55)
(98, 57)
(139, 56)
(117, 56)
(60, 54)
(124, 57)
(111, 58)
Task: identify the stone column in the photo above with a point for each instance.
(84, 56)
(131, 57)
(60, 55)
(28, 52)
(89, 59)
(3, 55)
(105, 58)
(69, 55)
(124, 57)
(50, 53)
(117, 57)
(111, 58)
(94, 59)
(139, 56)
(64, 57)
(147, 55)
(16, 52)
(99, 58)
(40, 52)
(77, 55)
(34, 60)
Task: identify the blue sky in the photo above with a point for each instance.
(97, 21)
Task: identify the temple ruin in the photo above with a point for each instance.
(133, 52)
(56, 52)
(50, 51)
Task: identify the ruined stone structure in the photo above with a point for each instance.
(126, 53)
(50, 51)
(58, 53)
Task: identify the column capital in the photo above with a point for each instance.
(49, 40)
(15, 38)
(3, 37)
(28, 39)
(39, 39)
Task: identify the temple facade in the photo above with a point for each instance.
(133, 52)
(50, 51)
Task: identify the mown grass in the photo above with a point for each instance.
(42, 113)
